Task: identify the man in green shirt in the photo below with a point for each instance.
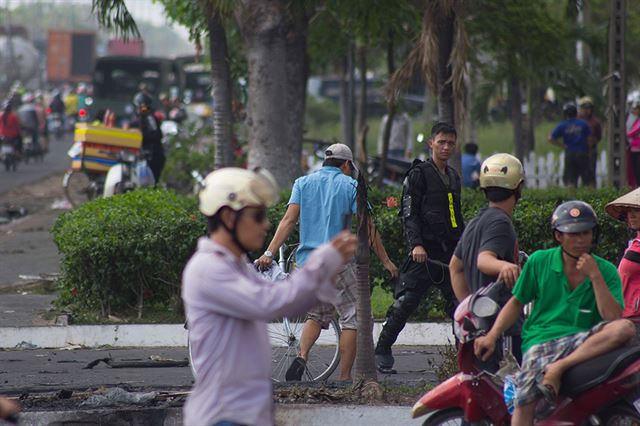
(576, 297)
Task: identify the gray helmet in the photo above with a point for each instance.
(574, 216)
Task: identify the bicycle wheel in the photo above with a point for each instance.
(78, 187)
(324, 357)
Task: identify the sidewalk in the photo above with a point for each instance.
(170, 335)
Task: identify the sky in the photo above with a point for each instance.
(141, 10)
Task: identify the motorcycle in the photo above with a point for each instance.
(30, 149)
(131, 172)
(8, 154)
(603, 390)
(55, 125)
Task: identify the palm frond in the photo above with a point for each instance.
(114, 16)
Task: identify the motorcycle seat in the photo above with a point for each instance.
(590, 373)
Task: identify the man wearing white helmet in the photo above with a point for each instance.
(228, 304)
(488, 248)
(324, 202)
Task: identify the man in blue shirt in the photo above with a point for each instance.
(576, 139)
(470, 166)
(324, 202)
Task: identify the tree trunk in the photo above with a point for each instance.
(531, 119)
(515, 94)
(361, 113)
(346, 121)
(365, 367)
(391, 112)
(297, 66)
(221, 91)
(446, 109)
(261, 23)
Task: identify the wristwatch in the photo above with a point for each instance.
(268, 254)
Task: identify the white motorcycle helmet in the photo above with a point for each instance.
(237, 188)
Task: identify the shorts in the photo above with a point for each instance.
(537, 358)
(323, 313)
(576, 165)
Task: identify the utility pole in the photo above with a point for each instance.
(12, 68)
(616, 123)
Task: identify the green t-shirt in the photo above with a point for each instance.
(557, 310)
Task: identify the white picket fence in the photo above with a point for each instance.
(546, 170)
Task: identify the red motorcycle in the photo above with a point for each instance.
(602, 391)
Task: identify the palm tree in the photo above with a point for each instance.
(441, 56)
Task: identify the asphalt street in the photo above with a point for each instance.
(38, 370)
(55, 161)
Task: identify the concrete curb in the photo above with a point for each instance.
(286, 415)
(168, 335)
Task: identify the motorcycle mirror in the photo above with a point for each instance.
(485, 307)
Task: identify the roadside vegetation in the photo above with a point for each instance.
(122, 257)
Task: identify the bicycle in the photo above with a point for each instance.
(285, 333)
(80, 186)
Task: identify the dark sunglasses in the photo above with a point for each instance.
(259, 216)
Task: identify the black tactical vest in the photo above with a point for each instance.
(441, 213)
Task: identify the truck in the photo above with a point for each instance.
(70, 56)
(120, 47)
(18, 58)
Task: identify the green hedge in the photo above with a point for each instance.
(127, 251)
(532, 218)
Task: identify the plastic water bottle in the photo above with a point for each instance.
(509, 393)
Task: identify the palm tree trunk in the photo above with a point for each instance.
(221, 91)
(365, 367)
(446, 106)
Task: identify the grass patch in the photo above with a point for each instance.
(322, 121)
(381, 299)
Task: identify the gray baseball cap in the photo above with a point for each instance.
(339, 151)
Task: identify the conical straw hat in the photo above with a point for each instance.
(618, 208)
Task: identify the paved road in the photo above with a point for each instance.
(55, 161)
(52, 370)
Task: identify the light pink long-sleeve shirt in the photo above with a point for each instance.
(228, 305)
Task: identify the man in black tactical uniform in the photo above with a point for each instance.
(433, 223)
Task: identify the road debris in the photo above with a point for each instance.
(153, 362)
(117, 396)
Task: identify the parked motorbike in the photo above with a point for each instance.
(8, 155)
(131, 172)
(601, 391)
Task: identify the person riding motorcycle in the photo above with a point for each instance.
(577, 305)
(29, 121)
(149, 125)
(10, 126)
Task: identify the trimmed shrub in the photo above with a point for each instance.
(123, 252)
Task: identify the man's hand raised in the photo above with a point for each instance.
(346, 243)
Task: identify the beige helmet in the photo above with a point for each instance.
(237, 188)
(585, 102)
(501, 171)
(619, 207)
